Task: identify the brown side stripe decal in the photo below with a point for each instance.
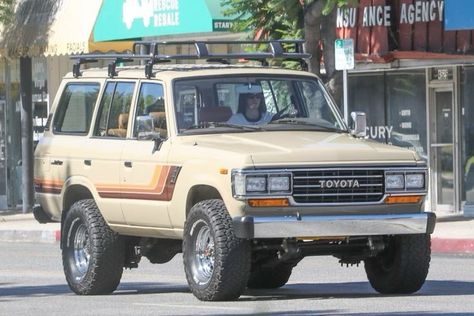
(48, 186)
(160, 188)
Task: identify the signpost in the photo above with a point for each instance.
(344, 50)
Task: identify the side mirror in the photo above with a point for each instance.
(360, 124)
(158, 141)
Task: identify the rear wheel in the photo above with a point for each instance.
(93, 255)
(216, 262)
(402, 267)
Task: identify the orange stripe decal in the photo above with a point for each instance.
(160, 187)
(48, 186)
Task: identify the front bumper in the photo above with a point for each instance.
(332, 226)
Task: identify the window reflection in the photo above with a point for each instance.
(395, 103)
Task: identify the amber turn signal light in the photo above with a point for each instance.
(268, 202)
(410, 199)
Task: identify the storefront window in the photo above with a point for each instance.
(406, 100)
(40, 97)
(366, 94)
(467, 139)
(395, 104)
(10, 134)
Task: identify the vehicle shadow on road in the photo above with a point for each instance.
(127, 288)
(354, 290)
(338, 312)
(289, 292)
(33, 290)
(130, 288)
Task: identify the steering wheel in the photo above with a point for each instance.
(279, 115)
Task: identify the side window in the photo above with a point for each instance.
(150, 118)
(114, 109)
(75, 108)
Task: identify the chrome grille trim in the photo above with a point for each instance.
(308, 187)
(337, 177)
(345, 201)
(318, 186)
(335, 194)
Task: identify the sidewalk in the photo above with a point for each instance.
(453, 234)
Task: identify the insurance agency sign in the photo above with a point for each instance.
(383, 15)
(394, 28)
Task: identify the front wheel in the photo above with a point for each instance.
(402, 267)
(216, 262)
(93, 255)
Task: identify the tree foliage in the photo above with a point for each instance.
(313, 20)
(6, 11)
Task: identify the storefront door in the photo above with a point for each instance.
(443, 151)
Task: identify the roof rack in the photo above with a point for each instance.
(150, 51)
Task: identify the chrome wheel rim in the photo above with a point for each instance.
(204, 255)
(81, 251)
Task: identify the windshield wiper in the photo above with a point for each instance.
(242, 127)
(291, 121)
(223, 124)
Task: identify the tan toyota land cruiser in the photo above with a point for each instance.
(244, 168)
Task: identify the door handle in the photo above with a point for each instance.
(87, 162)
(57, 162)
(128, 164)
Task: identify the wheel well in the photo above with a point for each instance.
(75, 193)
(200, 193)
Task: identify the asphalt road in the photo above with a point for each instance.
(32, 283)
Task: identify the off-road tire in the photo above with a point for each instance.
(226, 273)
(102, 271)
(402, 267)
(269, 278)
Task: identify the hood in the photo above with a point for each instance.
(305, 148)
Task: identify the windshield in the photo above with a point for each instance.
(240, 103)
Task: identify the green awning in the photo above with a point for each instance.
(126, 19)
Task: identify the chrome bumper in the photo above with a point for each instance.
(340, 225)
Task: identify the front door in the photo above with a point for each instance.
(145, 183)
(442, 150)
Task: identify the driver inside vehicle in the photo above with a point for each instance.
(251, 110)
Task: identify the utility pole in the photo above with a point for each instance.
(26, 79)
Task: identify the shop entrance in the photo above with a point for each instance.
(443, 151)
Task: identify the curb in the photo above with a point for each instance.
(438, 245)
(41, 236)
(447, 245)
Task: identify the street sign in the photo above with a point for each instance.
(344, 50)
(458, 15)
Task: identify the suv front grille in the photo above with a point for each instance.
(338, 186)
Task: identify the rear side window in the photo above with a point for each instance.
(75, 109)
